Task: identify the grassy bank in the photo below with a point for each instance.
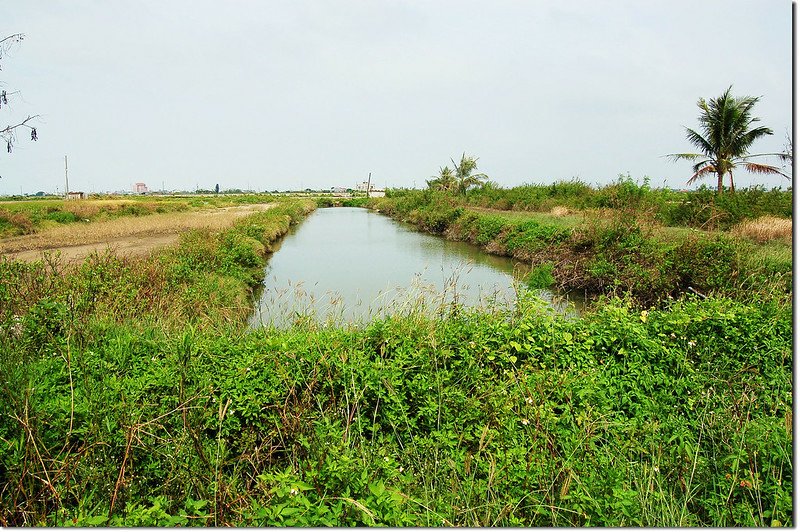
(207, 277)
(135, 395)
(680, 417)
(701, 208)
(613, 251)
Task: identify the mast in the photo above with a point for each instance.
(66, 179)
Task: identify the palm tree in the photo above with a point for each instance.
(446, 180)
(464, 176)
(725, 137)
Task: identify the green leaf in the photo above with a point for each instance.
(302, 486)
(95, 520)
(377, 488)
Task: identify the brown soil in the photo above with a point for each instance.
(129, 246)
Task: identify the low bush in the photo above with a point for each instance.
(704, 208)
(674, 417)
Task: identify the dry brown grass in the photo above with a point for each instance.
(91, 208)
(132, 227)
(560, 210)
(765, 229)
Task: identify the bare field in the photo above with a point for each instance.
(129, 235)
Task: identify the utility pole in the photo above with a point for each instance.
(369, 178)
(66, 180)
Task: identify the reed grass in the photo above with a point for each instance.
(765, 229)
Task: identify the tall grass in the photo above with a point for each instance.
(765, 229)
(515, 418)
(134, 395)
(701, 208)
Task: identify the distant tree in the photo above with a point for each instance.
(216, 189)
(446, 180)
(725, 136)
(459, 178)
(465, 178)
(9, 132)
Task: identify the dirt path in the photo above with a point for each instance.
(130, 236)
(130, 246)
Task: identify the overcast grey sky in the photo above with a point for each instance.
(281, 94)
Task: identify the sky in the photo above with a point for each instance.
(292, 94)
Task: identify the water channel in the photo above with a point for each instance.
(347, 265)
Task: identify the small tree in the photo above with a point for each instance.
(725, 136)
(445, 181)
(460, 177)
(465, 178)
(9, 133)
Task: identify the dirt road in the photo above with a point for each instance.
(130, 236)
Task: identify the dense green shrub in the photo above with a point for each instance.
(540, 276)
(706, 209)
(133, 397)
(62, 217)
(706, 264)
(672, 417)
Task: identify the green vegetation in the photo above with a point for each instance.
(460, 178)
(330, 201)
(700, 208)
(617, 246)
(135, 395)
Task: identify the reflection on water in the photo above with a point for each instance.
(346, 265)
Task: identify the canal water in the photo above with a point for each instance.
(347, 265)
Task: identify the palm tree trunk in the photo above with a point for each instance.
(720, 176)
(733, 189)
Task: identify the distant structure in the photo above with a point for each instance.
(140, 188)
(76, 195)
(373, 192)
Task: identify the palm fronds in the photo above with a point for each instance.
(725, 135)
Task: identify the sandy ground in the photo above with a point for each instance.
(127, 236)
(129, 246)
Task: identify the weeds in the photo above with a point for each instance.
(133, 395)
(765, 229)
(621, 251)
(520, 418)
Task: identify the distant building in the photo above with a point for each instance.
(76, 195)
(140, 188)
(373, 192)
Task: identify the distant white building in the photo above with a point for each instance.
(140, 188)
(374, 192)
(76, 195)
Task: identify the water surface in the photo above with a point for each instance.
(346, 265)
